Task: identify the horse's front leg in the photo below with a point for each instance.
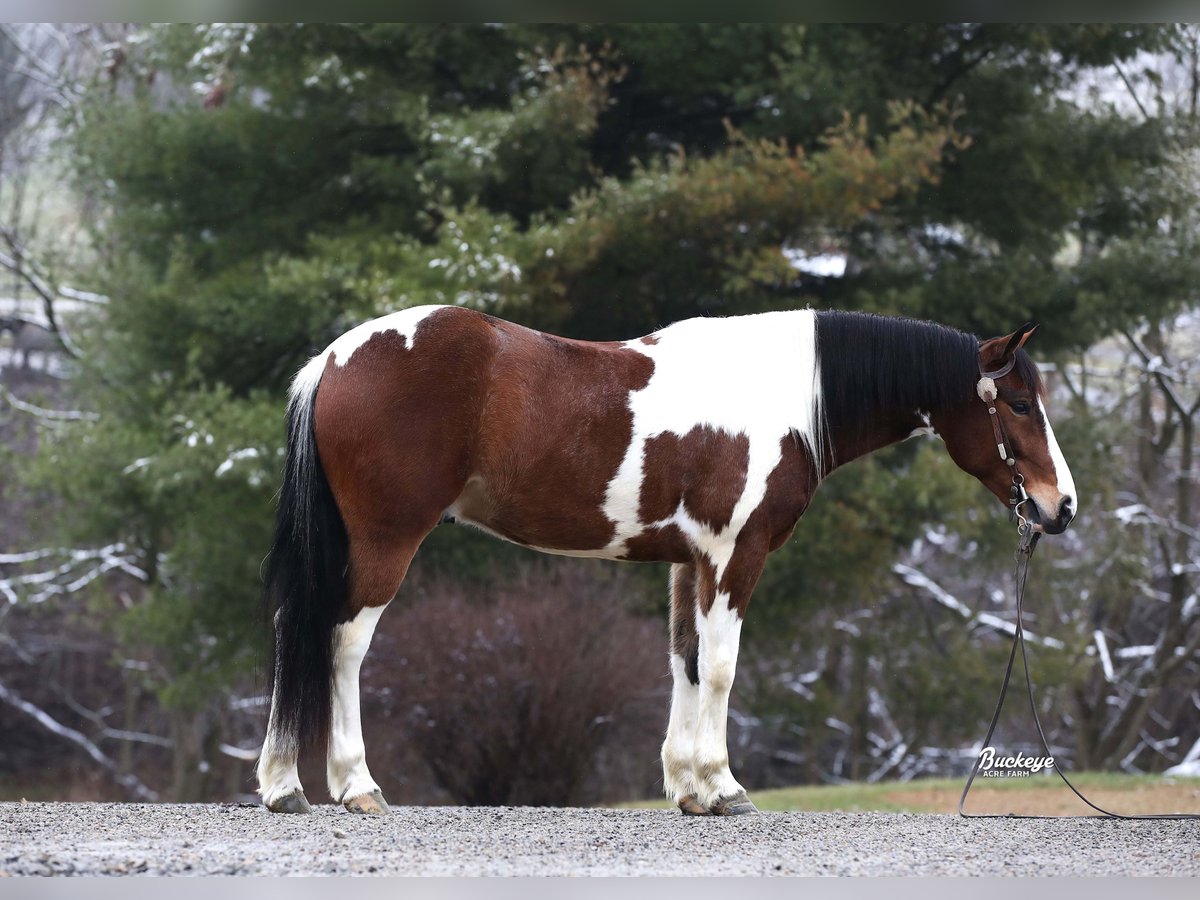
(719, 628)
(679, 748)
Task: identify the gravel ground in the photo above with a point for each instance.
(136, 839)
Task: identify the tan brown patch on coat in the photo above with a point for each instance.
(706, 582)
(705, 470)
(553, 430)
(649, 339)
(395, 429)
(665, 544)
(685, 642)
(790, 486)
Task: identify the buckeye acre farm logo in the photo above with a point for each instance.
(993, 766)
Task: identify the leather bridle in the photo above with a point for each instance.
(988, 392)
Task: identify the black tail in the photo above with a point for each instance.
(305, 583)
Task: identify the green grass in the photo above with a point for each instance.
(941, 794)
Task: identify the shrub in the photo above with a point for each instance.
(544, 690)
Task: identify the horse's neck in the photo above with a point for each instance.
(886, 428)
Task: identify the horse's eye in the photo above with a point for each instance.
(1021, 408)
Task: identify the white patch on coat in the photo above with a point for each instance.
(404, 322)
(346, 766)
(1062, 472)
(754, 375)
(304, 385)
(925, 428)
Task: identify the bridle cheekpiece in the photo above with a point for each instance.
(987, 391)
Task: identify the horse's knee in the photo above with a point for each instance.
(718, 670)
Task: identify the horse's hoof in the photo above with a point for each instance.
(690, 806)
(371, 804)
(295, 802)
(737, 805)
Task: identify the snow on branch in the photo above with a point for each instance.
(917, 579)
(241, 703)
(1105, 658)
(12, 559)
(51, 415)
(249, 754)
(1189, 765)
(130, 782)
(81, 568)
(137, 737)
(989, 621)
(1139, 514)
(82, 296)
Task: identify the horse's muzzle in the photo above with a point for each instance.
(1062, 518)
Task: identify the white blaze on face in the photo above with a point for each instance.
(1066, 484)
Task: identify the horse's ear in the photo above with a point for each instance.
(994, 353)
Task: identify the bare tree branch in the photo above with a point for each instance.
(33, 274)
(1132, 93)
(1152, 368)
(130, 782)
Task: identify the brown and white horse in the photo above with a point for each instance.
(699, 445)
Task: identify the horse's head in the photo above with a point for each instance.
(1003, 437)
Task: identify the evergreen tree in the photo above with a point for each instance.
(267, 186)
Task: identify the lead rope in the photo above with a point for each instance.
(1028, 541)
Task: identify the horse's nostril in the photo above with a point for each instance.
(1066, 509)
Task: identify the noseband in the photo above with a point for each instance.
(986, 388)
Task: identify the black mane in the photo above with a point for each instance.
(872, 363)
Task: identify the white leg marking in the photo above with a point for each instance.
(679, 748)
(719, 633)
(1066, 484)
(276, 769)
(347, 763)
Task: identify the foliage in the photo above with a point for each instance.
(262, 187)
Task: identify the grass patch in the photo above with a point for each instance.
(1042, 794)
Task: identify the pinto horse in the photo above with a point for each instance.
(699, 445)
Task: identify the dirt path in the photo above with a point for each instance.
(131, 839)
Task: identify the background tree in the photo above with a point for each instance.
(599, 181)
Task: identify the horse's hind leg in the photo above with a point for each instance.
(278, 778)
(376, 572)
